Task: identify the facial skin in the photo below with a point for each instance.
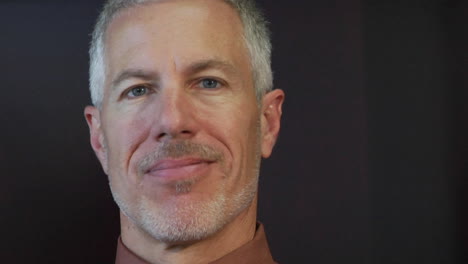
(180, 132)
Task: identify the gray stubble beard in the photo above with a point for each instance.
(191, 222)
(196, 220)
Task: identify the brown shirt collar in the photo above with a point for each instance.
(255, 251)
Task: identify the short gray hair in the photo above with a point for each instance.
(256, 37)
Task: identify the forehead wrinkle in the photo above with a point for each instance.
(211, 62)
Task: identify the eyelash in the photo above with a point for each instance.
(129, 90)
(218, 82)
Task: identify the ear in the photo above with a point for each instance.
(270, 120)
(93, 118)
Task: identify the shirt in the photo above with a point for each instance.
(255, 251)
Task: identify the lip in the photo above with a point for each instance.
(169, 170)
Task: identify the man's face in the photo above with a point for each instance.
(180, 133)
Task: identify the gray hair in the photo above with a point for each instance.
(256, 37)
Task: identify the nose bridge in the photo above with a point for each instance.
(173, 112)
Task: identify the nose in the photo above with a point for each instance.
(175, 114)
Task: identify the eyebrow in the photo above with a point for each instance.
(193, 68)
(135, 73)
(211, 64)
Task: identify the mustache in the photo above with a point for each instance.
(179, 149)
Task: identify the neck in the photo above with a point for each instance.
(232, 236)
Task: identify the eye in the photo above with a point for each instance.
(209, 83)
(137, 91)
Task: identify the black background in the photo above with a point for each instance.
(369, 168)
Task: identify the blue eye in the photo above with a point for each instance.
(209, 83)
(137, 91)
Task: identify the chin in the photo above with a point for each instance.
(186, 219)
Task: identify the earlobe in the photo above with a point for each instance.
(93, 119)
(271, 118)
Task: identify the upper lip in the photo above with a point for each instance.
(165, 164)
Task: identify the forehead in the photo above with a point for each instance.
(175, 31)
(167, 11)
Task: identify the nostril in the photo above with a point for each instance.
(175, 135)
(162, 135)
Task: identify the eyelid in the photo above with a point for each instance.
(125, 93)
(220, 81)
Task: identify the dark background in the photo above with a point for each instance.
(369, 168)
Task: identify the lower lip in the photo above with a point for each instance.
(187, 172)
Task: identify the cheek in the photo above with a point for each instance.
(125, 134)
(238, 131)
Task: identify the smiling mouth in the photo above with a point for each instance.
(170, 170)
(174, 164)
